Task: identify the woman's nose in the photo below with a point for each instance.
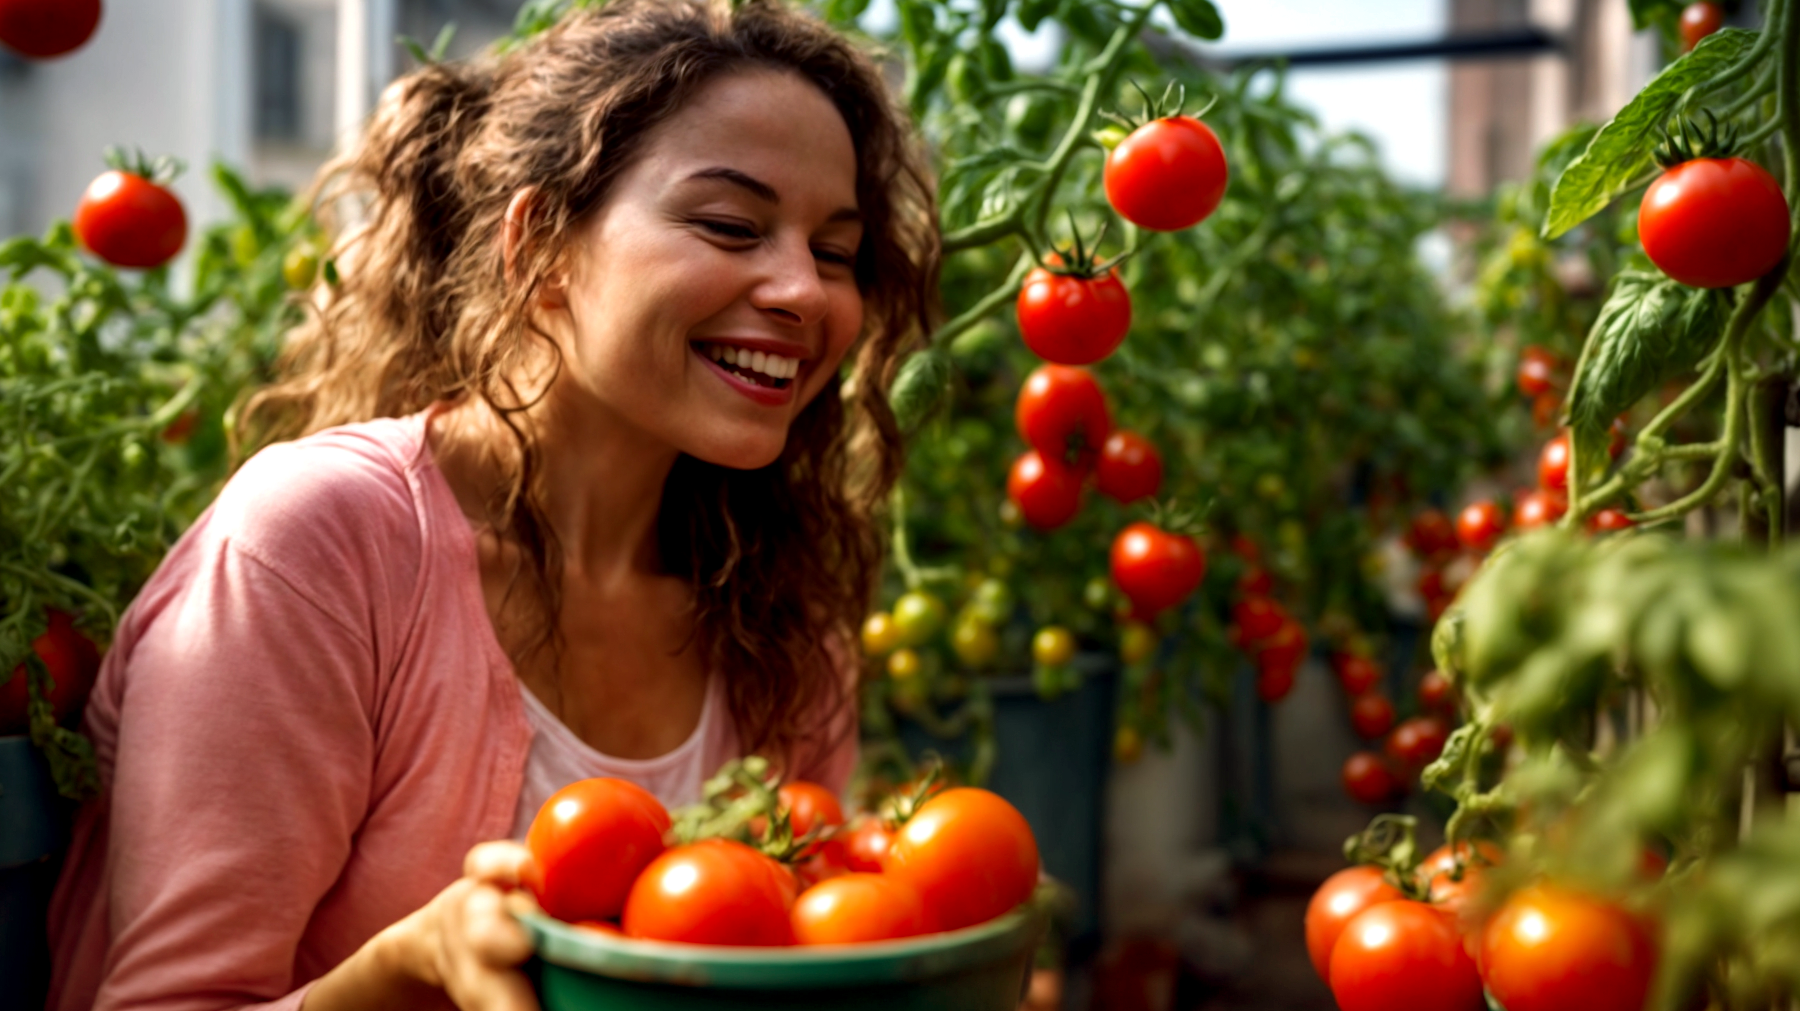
(792, 289)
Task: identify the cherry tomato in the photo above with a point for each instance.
(1053, 646)
(129, 221)
(716, 891)
(1431, 533)
(1255, 582)
(1047, 491)
(1551, 949)
(1480, 853)
(918, 616)
(1137, 641)
(1372, 715)
(1367, 778)
(1404, 954)
(1073, 320)
(1539, 509)
(1169, 174)
(72, 660)
(975, 642)
(1337, 902)
(970, 854)
(810, 806)
(880, 636)
(1714, 222)
(1698, 20)
(1156, 569)
(1437, 693)
(1479, 525)
(1553, 464)
(588, 843)
(1274, 683)
(1358, 674)
(1061, 413)
(1537, 372)
(1284, 650)
(41, 29)
(855, 908)
(1609, 521)
(866, 842)
(904, 663)
(1258, 618)
(1129, 467)
(1128, 745)
(1417, 742)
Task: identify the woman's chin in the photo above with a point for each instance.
(741, 453)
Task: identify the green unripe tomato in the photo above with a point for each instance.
(1053, 646)
(918, 615)
(975, 642)
(1097, 594)
(992, 602)
(1136, 642)
(300, 267)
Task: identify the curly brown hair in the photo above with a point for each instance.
(781, 559)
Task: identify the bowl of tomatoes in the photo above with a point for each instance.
(764, 896)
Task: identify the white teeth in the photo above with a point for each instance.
(773, 366)
(757, 362)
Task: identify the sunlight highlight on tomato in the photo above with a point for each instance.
(1551, 949)
(1169, 174)
(1337, 902)
(1404, 955)
(970, 854)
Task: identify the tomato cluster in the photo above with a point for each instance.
(72, 661)
(1376, 777)
(1274, 639)
(1418, 938)
(601, 858)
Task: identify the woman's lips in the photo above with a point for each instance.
(768, 396)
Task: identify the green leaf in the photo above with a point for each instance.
(1198, 18)
(918, 25)
(923, 381)
(1619, 157)
(1650, 329)
(991, 13)
(1031, 13)
(843, 12)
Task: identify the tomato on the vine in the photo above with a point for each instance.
(129, 221)
(1698, 20)
(880, 636)
(810, 806)
(1714, 222)
(1047, 491)
(1339, 900)
(1610, 521)
(1137, 641)
(588, 843)
(856, 908)
(1479, 525)
(1372, 715)
(716, 891)
(1274, 683)
(1404, 954)
(1539, 509)
(1431, 533)
(1368, 778)
(1068, 319)
(1129, 468)
(1154, 568)
(904, 663)
(1437, 693)
(1169, 174)
(1552, 949)
(970, 854)
(1257, 618)
(1255, 582)
(72, 660)
(1061, 413)
(1358, 674)
(42, 29)
(1284, 650)
(1553, 464)
(1417, 742)
(917, 616)
(1537, 371)
(975, 642)
(1053, 646)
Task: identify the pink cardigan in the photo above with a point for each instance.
(304, 722)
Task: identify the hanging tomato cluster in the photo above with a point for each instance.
(753, 865)
(1263, 629)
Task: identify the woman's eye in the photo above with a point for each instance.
(833, 256)
(729, 230)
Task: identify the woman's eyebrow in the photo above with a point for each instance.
(761, 190)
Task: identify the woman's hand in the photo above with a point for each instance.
(463, 949)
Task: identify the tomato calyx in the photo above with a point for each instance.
(1174, 519)
(1391, 844)
(742, 802)
(1689, 141)
(902, 804)
(161, 170)
(1080, 258)
(1169, 106)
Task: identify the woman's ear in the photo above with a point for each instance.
(553, 292)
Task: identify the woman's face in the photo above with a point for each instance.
(713, 294)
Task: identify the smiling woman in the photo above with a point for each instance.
(569, 487)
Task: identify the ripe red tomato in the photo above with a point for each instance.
(858, 907)
(1368, 779)
(1551, 949)
(970, 854)
(809, 806)
(1047, 492)
(72, 660)
(129, 221)
(1337, 902)
(588, 843)
(1714, 222)
(1129, 467)
(41, 29)
(1258, 618)
(716, 891)
(1156, 569)
(1479, 852)
(1284, 650)
(1430, 533)
(1479, 525)
(1255, 582)
(1372, 715)
(1539, 509)
(1073, 320)
(1061, 413)
(1358, 674)
(1698, 20)
(1404, 954)
(866, 842)
(1537, 371)
(1274, 683)
(1417, 742)
(1553, 464)
(1169, 174)
(1609, 521)
(1437, 693)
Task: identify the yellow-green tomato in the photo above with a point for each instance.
(975, 642)
(992, 602)
(880, 636)
(1128, 745)
(1053, 646)
(1136, 642)
(918, 615)
(300, 266)
(904, 664)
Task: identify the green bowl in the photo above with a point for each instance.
(979, 968)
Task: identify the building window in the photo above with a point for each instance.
(278, 77)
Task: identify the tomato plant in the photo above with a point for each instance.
(44, 29)
(69, 658)
(716, 891)
(588, 844)
(969, 853)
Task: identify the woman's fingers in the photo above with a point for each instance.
(483, 946)
(493, 935)
(501, 863)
